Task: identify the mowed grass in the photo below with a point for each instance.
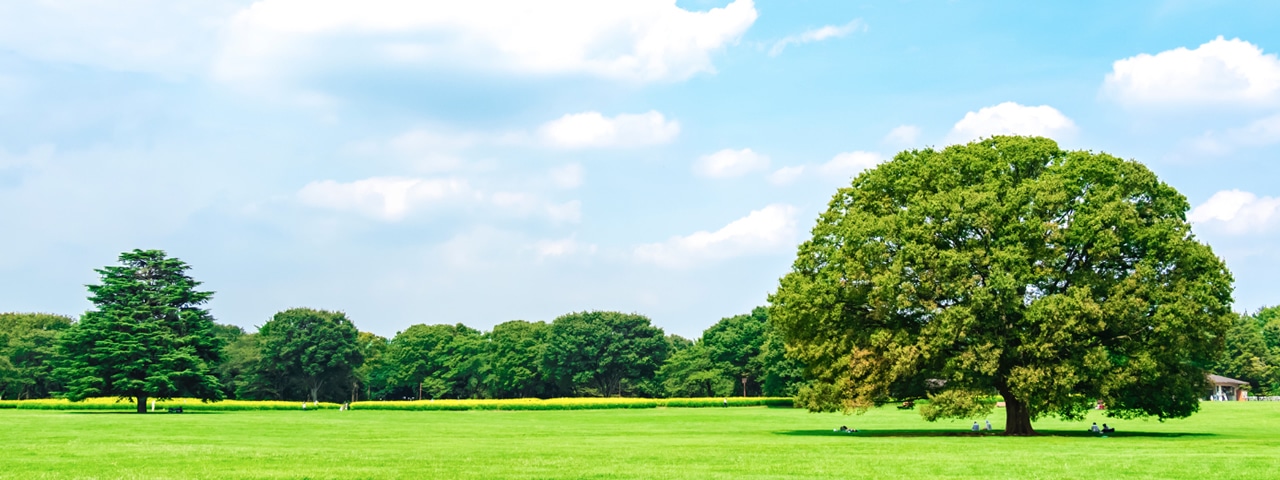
(1234, 439)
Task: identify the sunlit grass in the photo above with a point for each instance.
(751, 442)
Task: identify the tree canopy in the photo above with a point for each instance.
(28, 346)
(308, 349)
(434, 361)
(603, 353)
(147, 337)
(1051, 278)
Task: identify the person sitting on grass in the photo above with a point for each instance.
(1094, 428)
(975, 426)
(1107, 430)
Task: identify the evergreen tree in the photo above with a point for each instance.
(148, 336)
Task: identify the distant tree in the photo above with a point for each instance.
(240, 358)
(600, 353)
(1007, 266)
(147, 337)
(734, 344)
(372, 347)
(690, 372)
(28, 345)
(783, 375)
(513, 360)
(676, 343)
(308, 348)
(1269, 318)
(1246, 356)
(436, 361)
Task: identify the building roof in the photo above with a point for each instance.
(1221, 380)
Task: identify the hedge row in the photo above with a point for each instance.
(161, 405)
(587, 403)
(507, 404)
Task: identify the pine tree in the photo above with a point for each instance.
(147, 338)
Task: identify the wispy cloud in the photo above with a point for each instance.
(818, 35)
(730, 163)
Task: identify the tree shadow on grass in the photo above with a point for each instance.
(954, 433)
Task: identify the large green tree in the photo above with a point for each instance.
(513, 359)
(313, 350)
(435, 361)
(1051, 278)
(148, 336)
(603, 353)
(28, 345)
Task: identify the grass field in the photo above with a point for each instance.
(1225, 439)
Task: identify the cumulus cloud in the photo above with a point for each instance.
(637, 40)
(730, 163)
(591, 129)
(770, 229)
(903, 135)
(1220, 71)
(817, 35)
(1237, 212)
(392, 199)
(1010, 118)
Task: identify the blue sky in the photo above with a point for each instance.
(477, 162)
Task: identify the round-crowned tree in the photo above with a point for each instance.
(1007, 267)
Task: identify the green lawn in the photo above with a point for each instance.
(1225, 439)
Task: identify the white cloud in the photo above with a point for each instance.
(1237, 212)
(1220, 71)
(1010, 118)
(154, 36)
(567, 176)
(769, 229)
(567, 212)
(591, 129)
(903, 135)
(638, 40)
(786, 175)
(843, 166)
(1259, 133)
(848, 164)
(730, 163)
(563, 247)
(385, 198)
(35, 156)
(393, 199)
(817, 35)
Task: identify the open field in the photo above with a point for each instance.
(1235, 439)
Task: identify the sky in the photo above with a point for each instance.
(409, 161)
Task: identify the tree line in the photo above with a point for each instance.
(150, 337)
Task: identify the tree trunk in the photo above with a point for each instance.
(1017, 418)
(142, 403)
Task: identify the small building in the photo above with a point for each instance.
(1227, 389)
